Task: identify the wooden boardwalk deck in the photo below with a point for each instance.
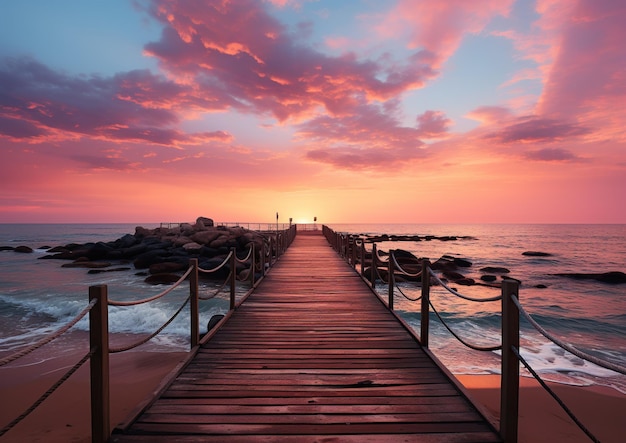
(311, 356)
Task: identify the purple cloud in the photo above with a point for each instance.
(537, 129)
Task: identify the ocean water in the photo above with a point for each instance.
(38, 296)
(586, 314)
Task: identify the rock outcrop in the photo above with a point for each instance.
(165, 251)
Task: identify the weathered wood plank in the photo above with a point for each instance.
(312, 354)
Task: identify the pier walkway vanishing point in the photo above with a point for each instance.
(311, 355)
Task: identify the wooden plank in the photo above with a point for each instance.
(311, 355)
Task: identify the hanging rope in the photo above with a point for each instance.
(474, 347)
(565, 346)
(56, 334)
(554, 396)
(399, 268)
(218, 267)
(458, 294)
(156, 297)
(113, 350)
(47, 394)
(218, 289)
(406, 296)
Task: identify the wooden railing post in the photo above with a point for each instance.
(263, 252)
(194, 308)
(373, 267)
(362, 257)
(354, 252)
(425, 311)
(252, 265)
(391, 279)
(233, 277)
(99, 365)
(509, 387)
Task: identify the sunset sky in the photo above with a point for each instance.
(452, 111)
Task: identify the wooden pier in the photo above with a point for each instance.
(312, 355)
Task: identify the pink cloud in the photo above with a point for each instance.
(552, 155)
(39, 104)
(439, 27)
(433, 124)
(371, 138)
(238, 50)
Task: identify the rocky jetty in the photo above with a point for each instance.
(165, 251)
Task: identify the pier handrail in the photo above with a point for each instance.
(97, 308)
(511, 310)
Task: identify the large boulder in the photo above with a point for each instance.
(203, 223)
(205, 237)
(23, 249)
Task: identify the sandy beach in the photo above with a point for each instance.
(64, 417)
(602, 410)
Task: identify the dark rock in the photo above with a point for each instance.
(126, 241)
(162, 279)
(86, 264)
(23, 249)
(214, 321)
(148, 258)
(536, 254)
(494, 270)
(463, 263)
(613, 278)
(454, 276)
(6, 248)
(447, 238)
(465, 281)
(44, 248)
(100, 271)
(204, 222)
(99, 250)
(133, 251)
(57, 249)
(488, 278)
(166, 267)
(540, 286)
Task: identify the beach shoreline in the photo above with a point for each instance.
(65, 417)
(541, 419)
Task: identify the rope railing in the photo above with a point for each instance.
(458, 294)
(562, 404)
(511, 312)
(274, 245)
(467, 344)
(46, 394)
(50, 337)
(116, 350)
(218, 267)
(154, 297)
(569, 348)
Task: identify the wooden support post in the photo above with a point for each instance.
(354, 252)
(374, 264)
(263, 252)
(391, 279)
(425, 311)
(99, 364)
(233, 277)
(252, 265)
(509, 387)
(362, 257)
(194, 308)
